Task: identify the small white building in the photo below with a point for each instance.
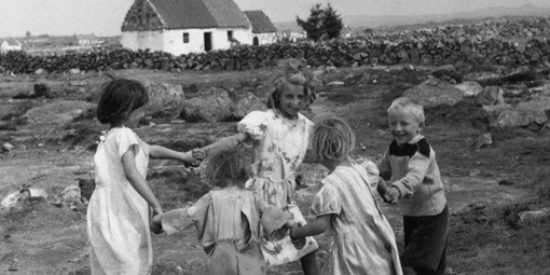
(263, 30)
(291, 36)
(184, 26)
(88, 40)
(10, 44)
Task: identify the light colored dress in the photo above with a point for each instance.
(118, 216)
(280, 146)
(362, 239)
(228, 227)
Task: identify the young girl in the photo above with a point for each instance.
(280, 138)
(119, 209)
(363, 241)
(228, 218)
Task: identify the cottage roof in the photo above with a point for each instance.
(260, 22)
(185, 14)
(12, 42)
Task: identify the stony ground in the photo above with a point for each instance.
(486, 187)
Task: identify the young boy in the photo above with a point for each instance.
(415, 182)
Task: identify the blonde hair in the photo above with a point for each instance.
(333, 138)
(293, 74)
(408, 105)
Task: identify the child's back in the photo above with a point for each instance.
(363, 238)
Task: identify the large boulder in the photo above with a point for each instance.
(250, 102)
(212, 105)
(490, 95)
(434, 92)
(165, 99)
(58, 113)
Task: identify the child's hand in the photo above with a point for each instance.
(392, 195)
(156, 225)
(198, 154)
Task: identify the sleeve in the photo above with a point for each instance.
(384, 168)
(372, 173)
(416, 172)
(126, 140)
(326, 201)
(179, 219)
(254, 124)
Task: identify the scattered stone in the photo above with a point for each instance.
(213, 105)
(484, 141)
(470, 88)
(7, 147)
(74, 71)
(24, 195)
(336, 83)
(251, 102)
(57, 113)
(491, 95)
(534, 216)
(434, 92)
(69, 197)
(505, 182)
(40, 71)
(165, 99)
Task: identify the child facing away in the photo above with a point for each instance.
(228, 218)
(119, 208)
(363, 241)
(280, 138)
(415, 182)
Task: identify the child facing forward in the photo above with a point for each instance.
(363, 241)
(410, 166)
(118, 211)
(280, 138)
(228, 218)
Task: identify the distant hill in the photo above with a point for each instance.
(375, 21)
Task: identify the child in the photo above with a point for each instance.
(118, 211)
(363, 241)
(280, 137)
(228, 218)
(411, 167)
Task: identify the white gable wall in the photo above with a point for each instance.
(135, 40)
(173, 39)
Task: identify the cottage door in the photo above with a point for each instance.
(207, 41)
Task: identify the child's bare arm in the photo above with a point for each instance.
(138, 182)
(161, 152)
(226, 143)
(318, 226)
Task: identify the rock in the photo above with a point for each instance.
(15, 198)
(534, 216)
(58, 112)
(6, 147)
(491, 95)
(515, 118)
(251, 102)
(212, 105)
(336, 83)
(40, 71)
(69, 197)
(74, 71)
(42, 90)
(165, 99)
(434, 92)
(484, 141)
(470, 88)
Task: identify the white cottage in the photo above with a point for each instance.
(185, 26)
(263, 30)
(10, 44)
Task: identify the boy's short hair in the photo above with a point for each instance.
(408, 105)
(333, 138)
(119, 98)
(231, 165)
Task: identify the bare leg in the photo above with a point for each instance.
(309, 264)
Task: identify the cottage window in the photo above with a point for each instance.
(185, 37)
(229, 35)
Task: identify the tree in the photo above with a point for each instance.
(322, 23)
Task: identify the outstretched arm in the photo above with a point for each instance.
(226, 143)
(138, 182)
(318, 226)
(161, 152)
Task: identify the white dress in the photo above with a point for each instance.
(280, 147)
(118, 217)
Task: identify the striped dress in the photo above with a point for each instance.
(362, 239)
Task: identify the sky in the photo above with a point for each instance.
(104, 17)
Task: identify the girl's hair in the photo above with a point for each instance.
(119, 98)
(293, 74)
(408, 105)
(232, 166)
(333, 138)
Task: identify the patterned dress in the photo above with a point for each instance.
(362, 239)
(280, 146)
(118, 216)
